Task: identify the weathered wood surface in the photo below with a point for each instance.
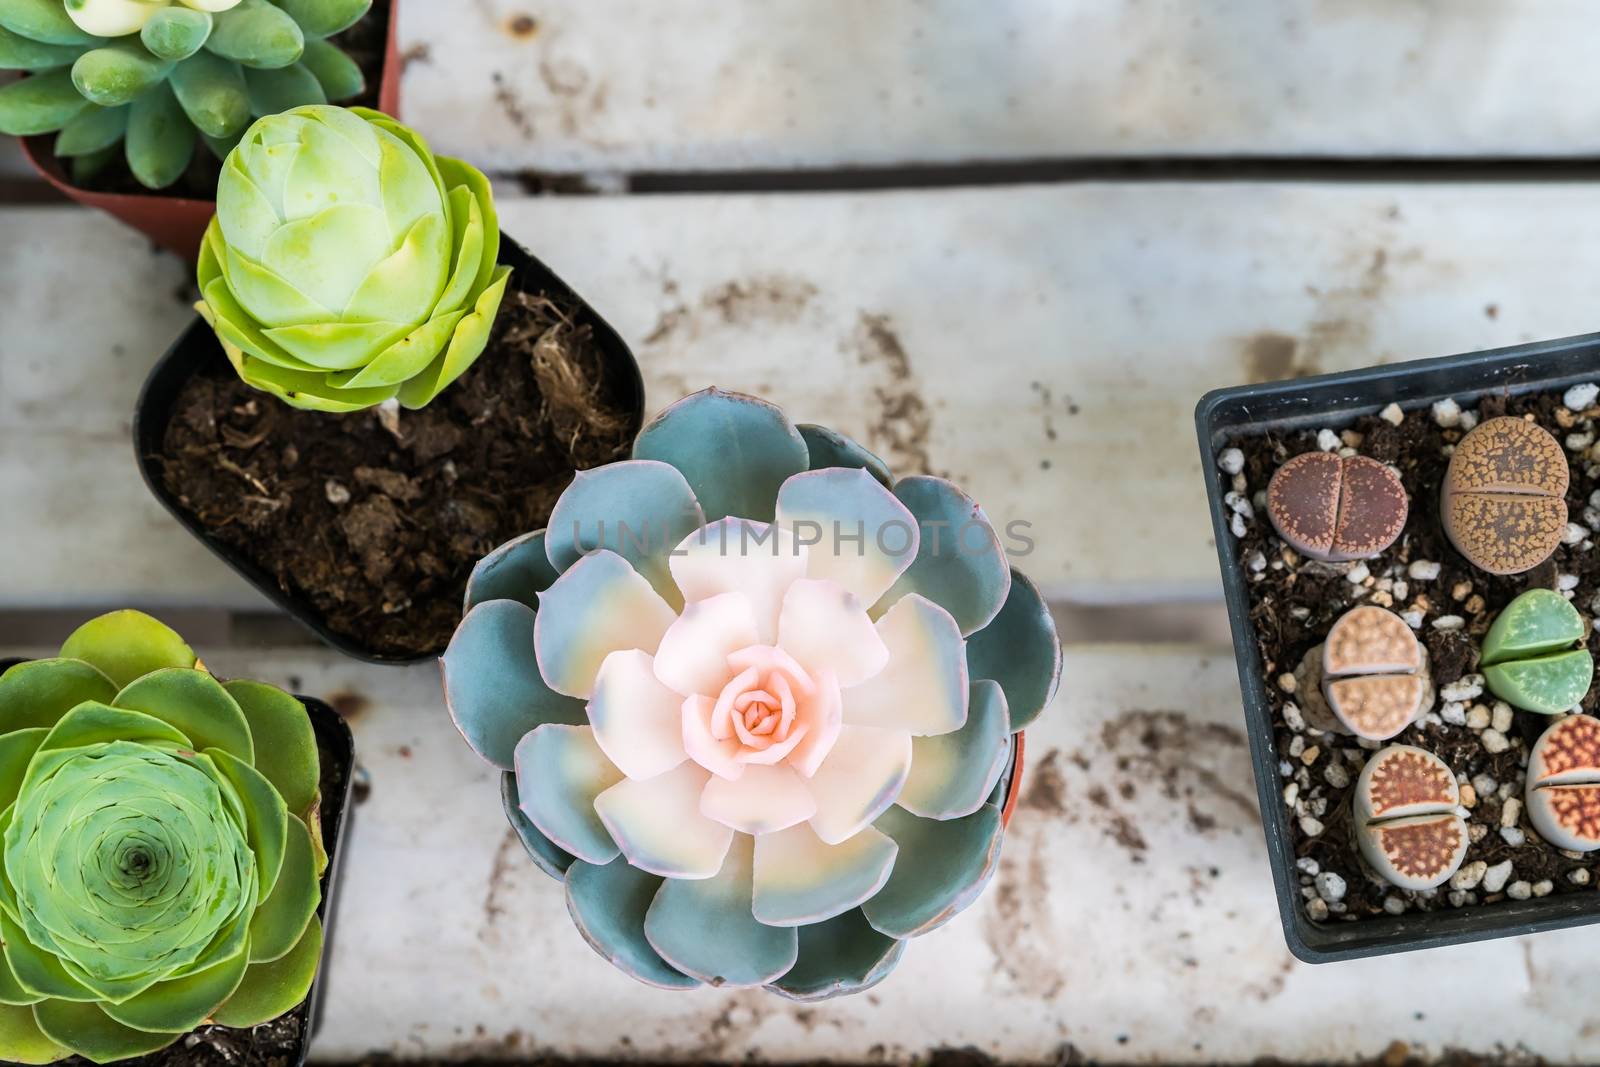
(1044, 345)
(1132, 918)
(634, 85)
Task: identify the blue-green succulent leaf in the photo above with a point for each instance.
(1547, 685)
(255, 33)
(41, 103)
(706, 930)
(860, 535)
(161, 139)
(338, 74)
(284, 89)
(46, 21)
(1538, 622)
(560, 770)
(609, 903)
(118, 73)
(800, 879)
(942, 868)
(599, 606)
(952, 774)
(176, 32)
(24, 53)
(830, 448)
(492, 685)
(324, 18)
(549, 857)
(960, 564)
(93, 131)
(734, 450)
(639, 509)
(518, 570)
(841, 956)
(1021, 651)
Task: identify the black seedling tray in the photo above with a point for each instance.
(198, 347)
(336, 749)
(1336, 400)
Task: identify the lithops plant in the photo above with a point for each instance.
(162, 848)
(1374, 673)
(348, 265)
(153, 77)
(1406, 822)
(1337, 509)
(1528, 656)
(1563, 789)
(758, 697)
(1503, 503)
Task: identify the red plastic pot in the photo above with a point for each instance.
(175, 223)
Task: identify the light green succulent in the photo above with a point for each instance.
(1529, 659)
(151, 73)
(162, 855)
(348, 265)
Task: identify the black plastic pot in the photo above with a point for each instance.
(1335, 400)
(198, 347)
(336, 748)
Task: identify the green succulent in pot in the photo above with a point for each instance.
(348, 265)
(152, 77)
(162, 852)
(754, 698)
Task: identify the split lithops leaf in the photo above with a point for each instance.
(1528, 658)
(1374, 673)
(1504, 499)
(1563, 792)
(795, 711)
(1406, 823)
(1337, 509)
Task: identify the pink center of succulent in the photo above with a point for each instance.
(765, 712)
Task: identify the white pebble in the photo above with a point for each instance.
(1238, 525)
(1448, 623)
(1519, 890)
(1580, 397)
(1231, 461)
(1580, 442)
(1293, 719)
(1544, 888)
(1485, 785)
(1328, 441)
(1513, 836)
(1447, 413)
(1469, 876)
(1291, 793)
(1308, 866)
(1401, 590)
(1310, 826)
(1240, 504)
(1566, 582)
(1496, 877)
(1394, 905)
(1257, 562)
(1579, 876)
(1335, 775)
(1478, 717)
(1422, 570)
(1467, 688)
(1469, 419)
(1510, 812)
(1317, 910)
(1454, 713)
(1392, 415)
(1331, 887)
(1357, 574)
(1413, 618)
(1494, 742)
(1503, 716)
(337, 494)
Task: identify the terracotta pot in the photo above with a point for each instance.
(173, 222)
(1014, 790)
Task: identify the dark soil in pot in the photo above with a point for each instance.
(1294, 601)
(376, 524)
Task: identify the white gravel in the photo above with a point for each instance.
(1494, 742)
(1311, 826)
(1465, 689)
(1510, 811)
(1503, 716)
(1519, 890)
(1448, 623)
(1513, 836)
(1328, 441)
(1394, 905)
(1447, 413)
(1469, 876)
(1331, 887)
(1581, 397)
(1422, 570)
(1496, 877)
(1392, 415)
(1231, 461)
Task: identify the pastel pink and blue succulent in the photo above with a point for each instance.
(754, 700)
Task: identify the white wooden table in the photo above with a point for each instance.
(1043, 343)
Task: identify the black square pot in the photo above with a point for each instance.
(198, 347)
(1336, 400)
(336, 748)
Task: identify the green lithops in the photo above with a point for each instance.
(1529, 659)
(152, 74)
(160, 848)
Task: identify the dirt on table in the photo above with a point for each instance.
(1294, 601)
(365, 42)
(376, 519)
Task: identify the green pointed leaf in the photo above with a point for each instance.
(339, 75)
(267, 822)
(194, 703)
(214, 95)
(24, 53)
(178, 1006)
(21, 1040)
(93, 131)
(281, 920)
(43, 20)
(39, 692)
(285, 742)
(126, 645)
(324, 18)
(271, 989)
(257, 34)
(119, 73)
(94, 1035)
(91, 723)
(40, 103)
(87, 166)
(273, 91)
(160, 138)
(175, 33)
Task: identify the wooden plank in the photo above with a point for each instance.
(1043, 345)
(630, 85)
(1123, 924)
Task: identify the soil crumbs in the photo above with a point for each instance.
(376, 519)
(1295, 601)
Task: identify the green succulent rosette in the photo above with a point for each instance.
(160, 850)
(151, 78)
(753, 699)
(348, 265)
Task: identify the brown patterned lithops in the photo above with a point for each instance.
(1374, 673)
(1504, 500)
(1563, 795)
(1406, 822)
(1337, 509)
